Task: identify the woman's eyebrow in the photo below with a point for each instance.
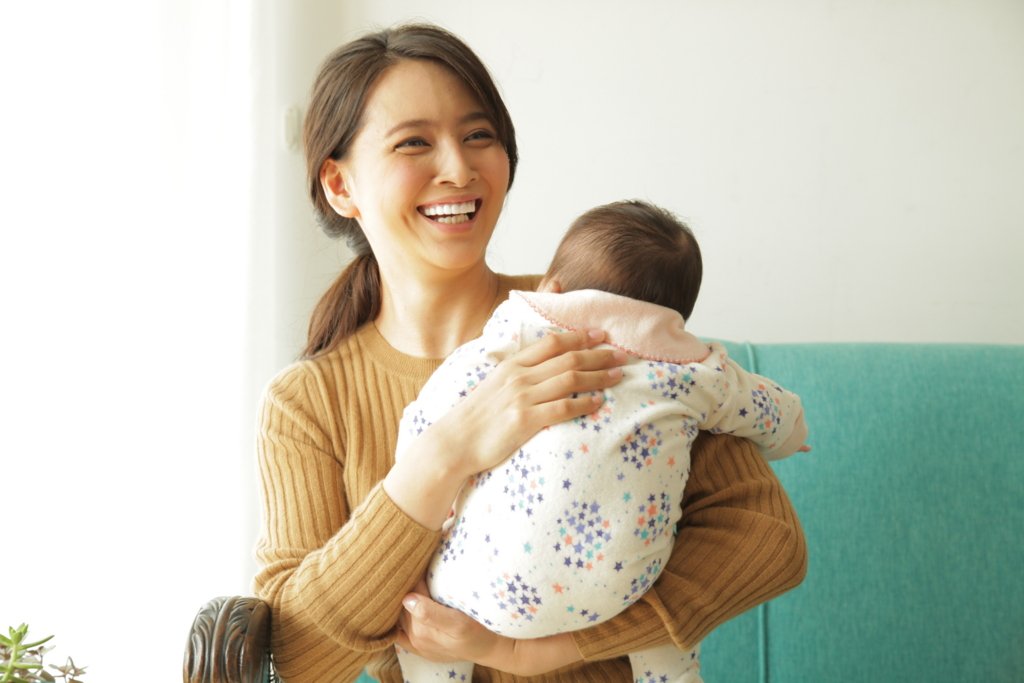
(418, 123)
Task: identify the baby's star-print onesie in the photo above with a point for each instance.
(577, 524)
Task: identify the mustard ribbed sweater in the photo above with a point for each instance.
(337, 555)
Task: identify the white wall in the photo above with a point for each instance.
(854, 170)
(126, 445)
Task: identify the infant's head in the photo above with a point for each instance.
(630, 248)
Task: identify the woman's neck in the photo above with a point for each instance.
(431, 319)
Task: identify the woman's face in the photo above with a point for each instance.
(425, 176)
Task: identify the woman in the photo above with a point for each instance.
(410, 152)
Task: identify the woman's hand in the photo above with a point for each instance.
(541, 385)
(544, 384)
(441, 634)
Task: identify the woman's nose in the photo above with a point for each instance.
(456, 167)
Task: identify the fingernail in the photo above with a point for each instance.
(615, 372)
(596, 334)
(620, 356)
(410, 603)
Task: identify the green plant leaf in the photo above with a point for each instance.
(29, 646)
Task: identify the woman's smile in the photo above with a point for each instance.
(452, 214)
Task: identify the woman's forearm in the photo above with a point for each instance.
(739, 544)
(424, 484)
(341, 601)
(334, 577)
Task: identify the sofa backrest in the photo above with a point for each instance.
(912, 505)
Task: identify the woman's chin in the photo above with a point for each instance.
(464, 260)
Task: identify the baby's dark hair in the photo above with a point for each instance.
(634, 249)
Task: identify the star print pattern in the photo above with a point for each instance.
(669, 380)
(453, 544)
(474, 376)
(579, 522)
(524, 483)
(654, 518)
(417, 423)
(640, 584)
(515, 597)
(641, 446)
(766, 409)
(582, 535)
(584, 616)
(600, 418)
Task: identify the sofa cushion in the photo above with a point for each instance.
(911, 501)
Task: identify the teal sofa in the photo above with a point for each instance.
(912, 502)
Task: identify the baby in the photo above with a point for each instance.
(577, 524)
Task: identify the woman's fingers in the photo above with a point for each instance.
(441, 633)
(560, 410)
(557, 378)
(574, 369)
(574, 372)
(558, 344)
(579, 360)
(579, 370)
(561, 381)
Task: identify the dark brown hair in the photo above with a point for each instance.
(332, 122)
(634, 249)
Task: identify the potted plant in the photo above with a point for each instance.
(22, 661)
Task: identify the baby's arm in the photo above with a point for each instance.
(750, 406)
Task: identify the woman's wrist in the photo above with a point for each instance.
(542, 655)
(425, 482)
(532, 657)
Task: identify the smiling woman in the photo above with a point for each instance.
(409, 154)
(378, 132)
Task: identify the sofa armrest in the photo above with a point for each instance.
(230, 643)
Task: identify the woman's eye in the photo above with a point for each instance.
(412, 144)
(478, 136)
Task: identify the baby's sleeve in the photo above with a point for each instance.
(750, 406)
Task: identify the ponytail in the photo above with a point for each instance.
(351, 301)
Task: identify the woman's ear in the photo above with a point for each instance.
(336, 187)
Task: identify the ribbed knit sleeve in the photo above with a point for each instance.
(739, 544)
(334, 579)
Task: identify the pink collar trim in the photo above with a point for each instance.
(639, 328)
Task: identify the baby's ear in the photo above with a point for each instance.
(550, 284)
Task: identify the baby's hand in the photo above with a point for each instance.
(804, 449)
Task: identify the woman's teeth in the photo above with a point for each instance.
(451, 213)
